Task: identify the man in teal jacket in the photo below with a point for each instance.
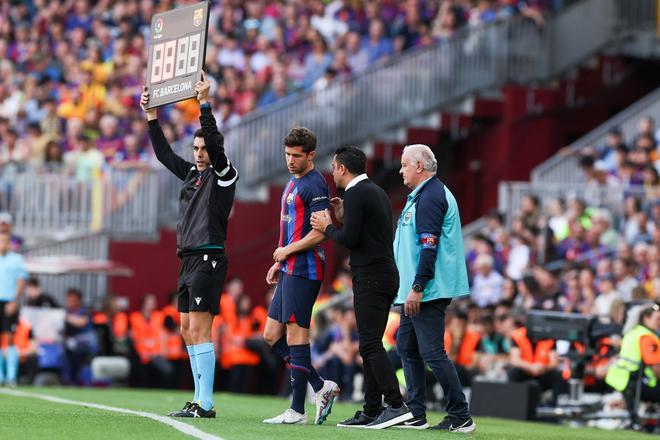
(428, 249)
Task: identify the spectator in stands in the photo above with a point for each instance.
(487, 283)
(357, 55)
(529, 210)
(607, 153)
(79, 338)
(600, 185)
(37, 298)
(36, 143)
(6, 227)
(518, 257)
(53, 160)
(607, 294)
(602, 225)
(132, 155)
(495, 225)
(13, 150)
(278, 89)
(317, 60)
(85, 161)
(646, 128)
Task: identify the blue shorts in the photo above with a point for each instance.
(294, 299)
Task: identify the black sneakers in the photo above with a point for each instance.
(196, 411)
(390, 417)
(452, 425)
(182, 412)
(414, 423)
(359, 420)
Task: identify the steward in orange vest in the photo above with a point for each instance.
(147, 331)
(535, 361)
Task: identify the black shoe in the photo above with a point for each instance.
(390, 417)
(414, 423)
(453, 425)
(196, 411)
(359, 420)
(182, 412)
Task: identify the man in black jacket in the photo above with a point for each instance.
(207, 195)
(367, 231)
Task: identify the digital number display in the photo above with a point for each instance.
(176, 53)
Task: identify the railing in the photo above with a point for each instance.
(92, 285)
(564, 168)
(637, 15)
(430, 78)
(510, 194)
(121, 201)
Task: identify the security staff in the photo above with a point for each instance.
(640, 354)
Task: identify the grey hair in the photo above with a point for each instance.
(423, 154)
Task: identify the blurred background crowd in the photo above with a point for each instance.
(71, 71)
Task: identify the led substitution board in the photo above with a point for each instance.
(176, 53)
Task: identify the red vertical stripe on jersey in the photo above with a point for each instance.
(298, 229)
(283, 211)
(319, 265)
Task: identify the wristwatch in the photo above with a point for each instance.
(418, 288)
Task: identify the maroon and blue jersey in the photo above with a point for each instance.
(300, 198)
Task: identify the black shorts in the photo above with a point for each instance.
(294, 299)
(8, 324)
(200, 282)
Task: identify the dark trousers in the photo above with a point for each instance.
(550, 380)
(421, 340)
(647, 394)
(373, 292)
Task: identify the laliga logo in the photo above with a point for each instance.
(158, 27)
(198, 17)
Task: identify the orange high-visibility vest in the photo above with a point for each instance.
(468, 347)
(172, 312)
(148, 336)
(235, 352)
(119, 323)
(260, 315)
(174, 345)
(538, 355)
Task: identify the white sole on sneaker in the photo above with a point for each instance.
(392, 422)
(339, 425)
(405, 426)
(299, 422)
(465, 430)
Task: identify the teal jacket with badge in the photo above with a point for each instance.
(428, 245)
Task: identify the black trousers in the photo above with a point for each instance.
(373, 293)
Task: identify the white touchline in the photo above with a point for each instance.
(179, 426)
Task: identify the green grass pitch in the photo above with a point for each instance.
(239, 417)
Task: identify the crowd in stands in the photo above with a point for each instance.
(596, 255)
(71, 71)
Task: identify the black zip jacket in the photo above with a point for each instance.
(206, 198)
